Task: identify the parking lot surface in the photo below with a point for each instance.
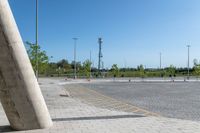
(171, 99)
(89, 111)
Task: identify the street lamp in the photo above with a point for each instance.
(75, 40)
(90, 64)
(160, 60)
(188, 61)
(100, 41)
(36, 41)
(160, 64)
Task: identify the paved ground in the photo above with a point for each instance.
(175, 99)
(80, 114)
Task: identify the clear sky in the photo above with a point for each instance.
(134, 31)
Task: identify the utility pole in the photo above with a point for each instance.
(90, 63)
(100, 41)
(36, 42)
(160, 61)
(90, 55)
(75, 41)
(188, 62)
(125, 63)
(160, 64)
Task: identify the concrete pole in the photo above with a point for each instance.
(188, 62)
(20, 93)
(160, 64)
(90, 64)
(160, 61)
(100, 41)
(75, 41)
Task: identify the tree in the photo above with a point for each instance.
(64, 65)
(87, 68)
(43, 59)
(78, 65)
(115, 70)
(195, 61)
(196, 68)
(171, 70)
(141, 70)
(52, 67)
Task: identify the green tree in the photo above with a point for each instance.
(87, 68)
(141, 71)
(196, 68)
(78, 65)
(43, 59)
(195, 61)
(171, 70)
(52, 67)
(64, 66)
(115, 70)
(63, 63)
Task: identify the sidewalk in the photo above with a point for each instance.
(72, 115)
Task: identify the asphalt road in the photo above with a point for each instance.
(174, 100)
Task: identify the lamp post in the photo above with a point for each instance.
(90, 64)
(160, 64)
(160, 61)
(188, 62)
(36, 41)
(75, 41)
(100, 41)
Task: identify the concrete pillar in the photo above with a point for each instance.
(20, 93)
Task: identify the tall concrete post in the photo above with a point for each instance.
(20, 93)
(100, 41)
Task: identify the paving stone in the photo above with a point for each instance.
(72, 115)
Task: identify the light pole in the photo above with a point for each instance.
(160, 61)
(160, 64)
(90, 64)
(36, 40)
(188, 61)
(100, 41)
(75, 40)
(125, 64)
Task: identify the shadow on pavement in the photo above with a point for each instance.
(98, 118)
(6, 128)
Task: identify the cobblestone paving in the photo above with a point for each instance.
(94, 98)
(72, 115)
(175, 100)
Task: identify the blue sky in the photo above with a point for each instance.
(134, 31)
